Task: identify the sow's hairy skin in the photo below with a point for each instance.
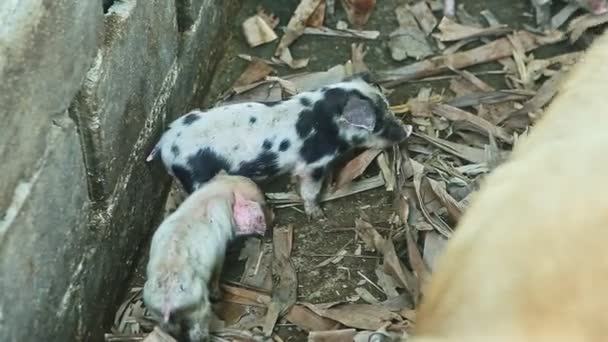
(188, 249)
(529, 260)
(301, 136)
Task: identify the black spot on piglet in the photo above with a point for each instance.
(175, 150)
(264, 165)
(271, 103)
(190, 118)
(317, 174)
(267, 144)
(284, 145)
(202, 166)
(304, 101)
(305, 122)
(184, 176)
(252, 120)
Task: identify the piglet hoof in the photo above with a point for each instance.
(215, 295)
(198, 334)
(315, 214)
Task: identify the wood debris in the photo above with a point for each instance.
(360, 316)
(284, 290)
(343, 33)
(355, 167)
(493, 51)
(452, 31)
(358, 11)
(408, 40)
(257, 31)
(296, 24)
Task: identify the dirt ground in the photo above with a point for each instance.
(314, 241)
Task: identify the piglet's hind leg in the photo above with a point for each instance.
(198, 324)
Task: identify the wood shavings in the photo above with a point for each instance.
(257, 31)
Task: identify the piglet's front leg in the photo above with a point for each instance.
(311, 184)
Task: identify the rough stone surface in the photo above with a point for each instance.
(195, 72)
(44, 241)
(187, 12)
(77, 200)
(139, 48)
(38, 77)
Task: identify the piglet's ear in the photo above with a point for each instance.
(248, 216)
(359, 113)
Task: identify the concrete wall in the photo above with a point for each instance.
(83, 97)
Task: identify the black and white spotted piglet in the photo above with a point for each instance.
(301, 135)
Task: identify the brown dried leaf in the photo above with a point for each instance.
(371, 238)
(435, 220)
(460, 86)
(314, 80)
(364, 294)
(358, 11)
(394, 267)
(296, 24)
(355, 167)
(230, 313)
(415, 259)
(491, 97)
(317, 17)
(579, 25)
(257, 272)
(456, 114)
(257, 31)
(543, 96)
(307, 320)
(284, 290)
(345, 335)
(471, 154)
(408, 40)
(398, 303)
(387, 282)
(519, 56)
(256, 71)
(359, 316)
(476, 81)
(454, 208)
(247, 296)
(288, 87)
(346, 33)
(402, 207)
(288, 199)
(286, 58)
(424, 16)
(387, 173)
(270, 18)
(452, 31)
(236, 335)
(495, 50)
